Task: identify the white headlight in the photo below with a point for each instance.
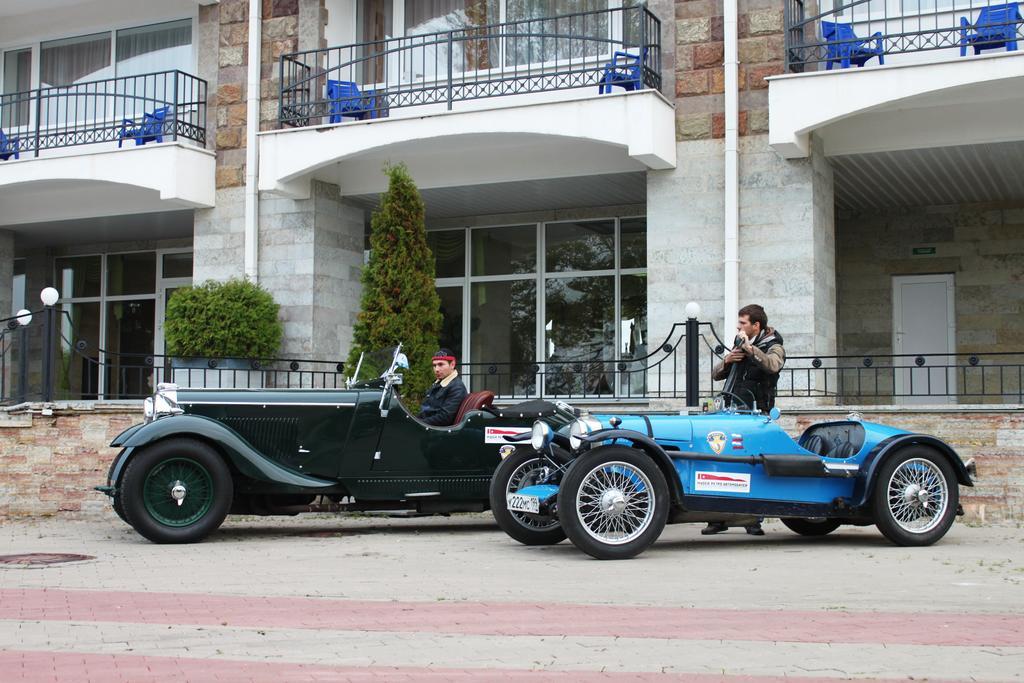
(540, 435)
(147, 408)
(581, 427)
(165, 401)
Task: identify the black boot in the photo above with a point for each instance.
(755, 529)
(714, 528)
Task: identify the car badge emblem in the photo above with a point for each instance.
(717, 441)
(506, 450)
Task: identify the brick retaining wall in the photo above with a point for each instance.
(49, 463)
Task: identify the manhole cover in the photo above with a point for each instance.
(31, 559)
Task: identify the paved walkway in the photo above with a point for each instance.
(366, 599)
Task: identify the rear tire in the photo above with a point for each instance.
(916, 496)
(519, 470)
(613, 503)
(811, 527)
(175, 467)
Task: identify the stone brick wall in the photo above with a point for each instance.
(700, 76)
(49, 464)
(980, 244)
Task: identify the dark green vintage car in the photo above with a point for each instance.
(202, 454)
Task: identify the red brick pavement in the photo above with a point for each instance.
(63, 667)
(890, 628)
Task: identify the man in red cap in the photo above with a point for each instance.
(445, 396)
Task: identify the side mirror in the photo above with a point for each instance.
(774, 413)
(401, 361)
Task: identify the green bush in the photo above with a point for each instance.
(233, 319)
(399, 301)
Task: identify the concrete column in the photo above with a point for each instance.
(787, 244)
(218, 238)
(311, 253)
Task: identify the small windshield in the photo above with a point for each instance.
(378, 363)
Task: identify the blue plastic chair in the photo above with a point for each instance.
(8, 147)
(345, 100)
(846, 48)
(152, 128)
(996, 27)
(625, 70)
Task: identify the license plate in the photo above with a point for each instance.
(518, 503)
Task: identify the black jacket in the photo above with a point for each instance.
(755, 382)
(441, 404)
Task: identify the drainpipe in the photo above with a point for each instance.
(252, 126)
(732, 204)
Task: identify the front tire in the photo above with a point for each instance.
(916, 496)
(176, 491)
(613, 503)
(519, 470)
(811, 527)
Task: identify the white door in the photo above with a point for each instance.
(924, 323)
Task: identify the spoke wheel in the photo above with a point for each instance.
(614, 502)
(176, 491)
(915, 496)
(519, 470)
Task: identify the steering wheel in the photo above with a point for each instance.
(723, 392)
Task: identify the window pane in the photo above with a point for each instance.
(17, 79)
(633, 334)
(539, 37)
(74, 60)
(18, 286)
(78, 276)
(451, 319)
(178, 265)
(131, 273)
(503, 324)
(633, 243)
(159, 47)
(504, 251)
(580, 246)
(471, 49)
(579, 335)
(78, 369)
(449, 248)
(129, 342)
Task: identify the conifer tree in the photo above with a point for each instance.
(399, 302)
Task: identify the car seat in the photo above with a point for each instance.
(478, 400)
(816, 443)
(842, 449)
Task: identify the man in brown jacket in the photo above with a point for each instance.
(755, 361)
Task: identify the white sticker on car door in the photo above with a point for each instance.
(498, 434)
(733, 482)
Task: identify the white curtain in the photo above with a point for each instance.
(160, 47)
(74, 60)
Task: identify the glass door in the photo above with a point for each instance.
(175, 273)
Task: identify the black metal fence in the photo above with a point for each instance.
(367, 80)
(839, 33)
(162, 106)
(680, 368)
(45, 360)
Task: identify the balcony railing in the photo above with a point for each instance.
(893, 27)
(106, 111)
(512, 58)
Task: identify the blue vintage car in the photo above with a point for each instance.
(612, 483)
